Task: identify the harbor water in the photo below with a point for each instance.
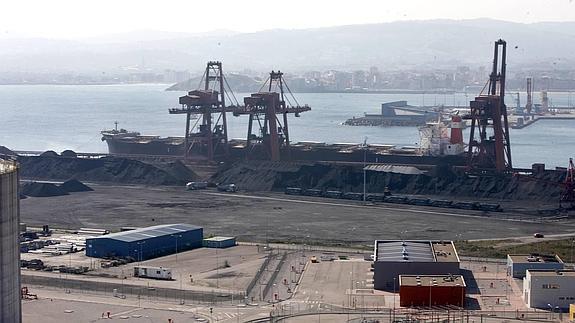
(59, 117)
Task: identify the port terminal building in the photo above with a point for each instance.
(146, 243)
(393, 258)
(518, 264)
(549, 289)
(432, 290)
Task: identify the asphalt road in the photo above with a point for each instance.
(274, 216)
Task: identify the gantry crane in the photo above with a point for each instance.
(264, 108)
(210, 137)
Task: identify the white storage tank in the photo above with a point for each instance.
(10, 308)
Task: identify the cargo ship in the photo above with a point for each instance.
(441, 143)
(268, 134)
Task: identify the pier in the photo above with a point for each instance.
(536, 118)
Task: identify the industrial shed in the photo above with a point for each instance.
(219, 242)
(416, 257)
(146, 243)
(517, 265)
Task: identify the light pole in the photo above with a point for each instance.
(572, 245)
(350, 285)
(140, 256)
(430, 285)
(176, 236)
(394, 278)
(364, 146)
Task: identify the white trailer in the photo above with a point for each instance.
(191, 186)
(153, 272)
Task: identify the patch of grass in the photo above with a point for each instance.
(500, 248)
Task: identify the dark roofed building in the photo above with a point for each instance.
(146, 243)
(415, 257)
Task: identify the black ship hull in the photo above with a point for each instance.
(296, 152)
(153, 148)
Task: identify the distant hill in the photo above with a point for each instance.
(238, 83)
(397, 45)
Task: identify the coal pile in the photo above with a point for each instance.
(107, 169)
(42, 190)
(69, 153)
(74, 185)
(6, 152)
(257, 175)
(49, 153)
(265, 176)
(178, 170)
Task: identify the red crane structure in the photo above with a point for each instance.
(265, 108)
(209, 138)
(489, 146)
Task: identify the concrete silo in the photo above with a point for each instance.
(10, 307)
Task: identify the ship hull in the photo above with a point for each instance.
(126, 147)
(295, 153)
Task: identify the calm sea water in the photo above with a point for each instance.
(42, 117)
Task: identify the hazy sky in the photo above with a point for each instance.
(86, 18)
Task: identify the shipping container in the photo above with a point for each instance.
(219, 242)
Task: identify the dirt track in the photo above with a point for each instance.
(270, 216)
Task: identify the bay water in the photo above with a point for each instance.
(59, 117)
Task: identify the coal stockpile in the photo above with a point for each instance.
(107, 169)
(256, 175)
(42, 190)
(74, 185)
(178, 170)
(262, 176)
(49, 153)
(6, 152)
(69, 153)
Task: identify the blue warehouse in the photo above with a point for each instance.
(146, 243)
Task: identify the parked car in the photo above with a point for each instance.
(227, 188)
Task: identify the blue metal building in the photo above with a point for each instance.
(146, 243)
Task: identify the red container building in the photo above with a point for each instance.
(437, 290)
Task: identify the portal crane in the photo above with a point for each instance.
(210, 137)
(488, 111)
(264, 108)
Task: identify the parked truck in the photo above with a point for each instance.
(191, 186)
(153, 272)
